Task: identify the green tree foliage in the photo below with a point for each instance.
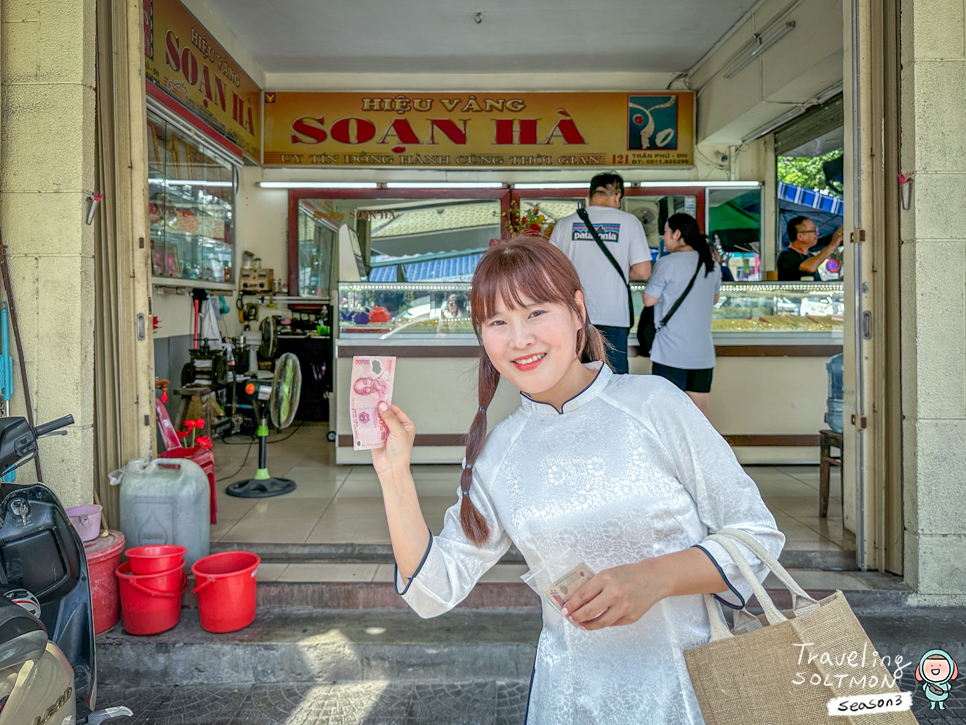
(806, 171)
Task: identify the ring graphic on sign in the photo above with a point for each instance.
(652, 122)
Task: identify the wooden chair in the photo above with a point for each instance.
(829, 440)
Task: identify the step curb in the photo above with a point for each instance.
(326, 647)
(382, 554)
(357, 646)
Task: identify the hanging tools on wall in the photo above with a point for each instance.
(246, 312)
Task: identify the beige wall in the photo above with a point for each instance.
(46, 175)
(933, 128)
(795, 70)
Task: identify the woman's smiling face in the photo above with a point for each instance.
(534, 346)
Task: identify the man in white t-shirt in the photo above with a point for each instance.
(604, 291)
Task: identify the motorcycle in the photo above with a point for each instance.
(48, 671)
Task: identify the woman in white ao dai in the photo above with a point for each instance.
(623, 470)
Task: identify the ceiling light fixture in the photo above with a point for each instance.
(698, 184)
(578, 185)
(763, 44)
(444, 185)
(318, 184)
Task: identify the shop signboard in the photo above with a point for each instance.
(479, 130)
(184, 60)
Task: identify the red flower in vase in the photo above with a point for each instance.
(182, 434)
(203, 441)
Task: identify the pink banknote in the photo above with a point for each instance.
(371, 384)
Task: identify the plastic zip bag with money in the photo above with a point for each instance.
(558, 578)
(371, 384)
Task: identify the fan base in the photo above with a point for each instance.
(260, 488)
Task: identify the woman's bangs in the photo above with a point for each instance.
(513, 275)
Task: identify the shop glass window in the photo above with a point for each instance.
(734, 226)
(654, 210)
(317, 238)
(190, 207)
(543, 212)
(410, 240)
(810, 184)
(809, 169)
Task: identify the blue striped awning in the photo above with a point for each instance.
(449, 269)
(810, 198)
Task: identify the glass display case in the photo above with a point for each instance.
(405, 309)
(772, 307)
(190, 207)
(442, 310)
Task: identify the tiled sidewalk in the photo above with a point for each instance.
(341, 504)
(356, 703)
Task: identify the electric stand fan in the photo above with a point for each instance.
(282, 396)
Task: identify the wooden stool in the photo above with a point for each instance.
(829, 440)
(191, 405)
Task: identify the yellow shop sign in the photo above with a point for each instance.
(184, 60)
(479, 130)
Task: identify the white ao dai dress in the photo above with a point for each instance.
(630, 469)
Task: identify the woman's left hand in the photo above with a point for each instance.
(616, 597)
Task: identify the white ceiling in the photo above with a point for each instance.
(440, 36)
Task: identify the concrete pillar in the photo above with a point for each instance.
(933, 152)
(47, 55)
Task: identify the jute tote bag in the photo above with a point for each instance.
(784, 668)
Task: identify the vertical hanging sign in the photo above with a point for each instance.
(482, 130)
(184, 60)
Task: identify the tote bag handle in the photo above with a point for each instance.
(802, 602)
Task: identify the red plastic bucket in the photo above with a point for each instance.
(145, 607)
(155, 559)
(226, 590)
(103, 557)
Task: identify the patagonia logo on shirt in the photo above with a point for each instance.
(606, 232)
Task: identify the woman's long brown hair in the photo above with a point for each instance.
(530, 266)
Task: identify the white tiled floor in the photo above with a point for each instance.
(343, 504)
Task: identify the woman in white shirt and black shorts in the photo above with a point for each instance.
(683, 350)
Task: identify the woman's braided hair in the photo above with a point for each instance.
(530, 266)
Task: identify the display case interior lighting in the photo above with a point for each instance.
(405, 286)
(764, 43)
(698, 184)
(444, 185)
(318, 184)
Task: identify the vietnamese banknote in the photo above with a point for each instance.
(371, 384)
(563, 588)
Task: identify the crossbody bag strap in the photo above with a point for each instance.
(674, 307)
(582, 213)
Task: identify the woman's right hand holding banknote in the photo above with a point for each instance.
(407, 528)
(398, 452)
